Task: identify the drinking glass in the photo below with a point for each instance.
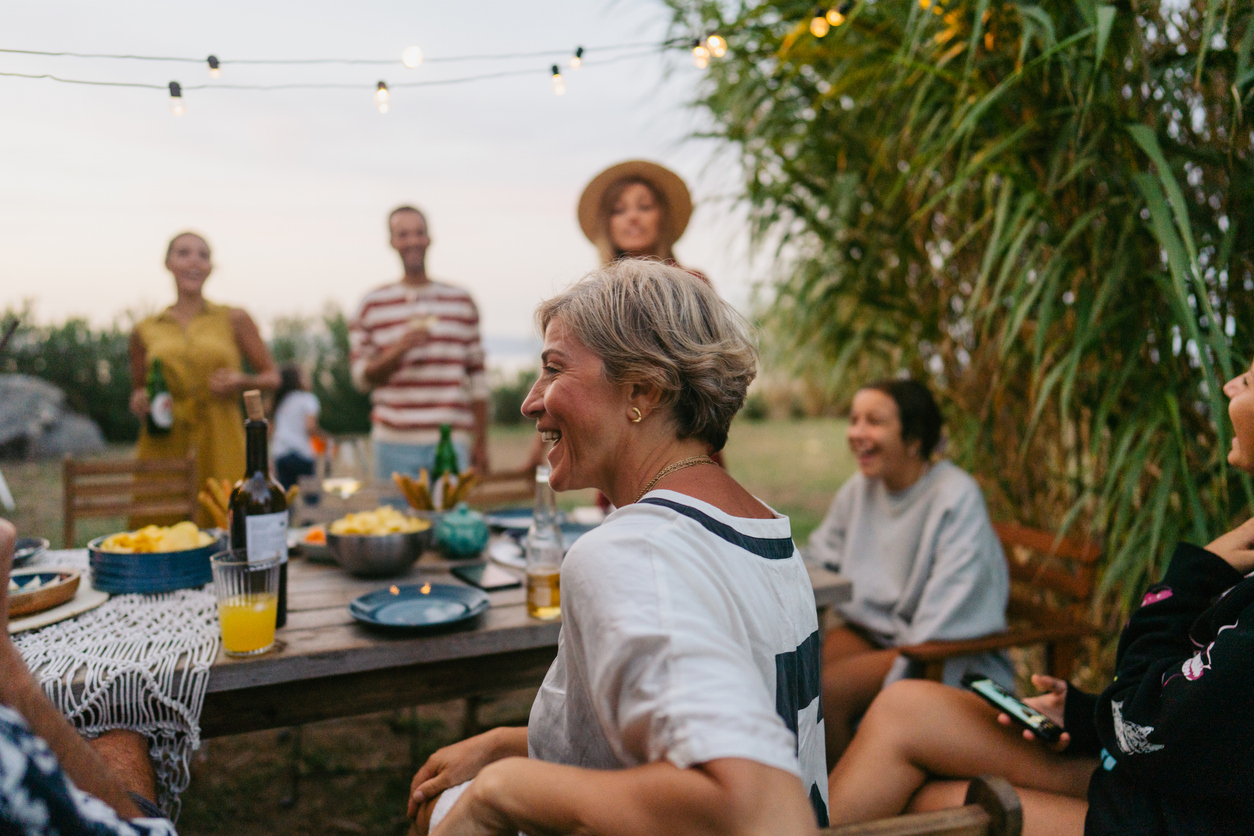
(248, 597)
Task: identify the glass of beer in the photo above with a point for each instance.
(248, 596)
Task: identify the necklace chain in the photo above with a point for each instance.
(671, 468)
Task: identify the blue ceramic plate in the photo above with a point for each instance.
(27, 547)
(407, 608)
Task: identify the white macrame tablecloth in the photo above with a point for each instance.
(144, 665)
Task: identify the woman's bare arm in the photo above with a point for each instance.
(19, 690)
(728, 797)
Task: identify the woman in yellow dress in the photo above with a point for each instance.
(201, 347)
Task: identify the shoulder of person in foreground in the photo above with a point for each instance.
(37, 797)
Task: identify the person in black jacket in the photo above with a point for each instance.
(1167, 748)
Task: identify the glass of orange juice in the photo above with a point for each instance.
(248, 595)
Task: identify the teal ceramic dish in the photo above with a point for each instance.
(461, 533)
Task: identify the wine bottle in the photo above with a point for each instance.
(258, 509)
(445, 465)
(160, 402)
(544, 553)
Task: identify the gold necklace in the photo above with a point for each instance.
(671, 468)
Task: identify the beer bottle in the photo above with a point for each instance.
(445, 465)
(160, 416)
(544, 552)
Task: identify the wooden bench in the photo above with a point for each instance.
(992, 809)
(506, 487)
(127, 487)
(1052, 580)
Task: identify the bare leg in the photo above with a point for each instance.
(853, 671)
(916, 730)
(1044, 813)
(126, 754)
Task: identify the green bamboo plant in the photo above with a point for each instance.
(1045, 209)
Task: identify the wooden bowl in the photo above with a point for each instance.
(63, 587)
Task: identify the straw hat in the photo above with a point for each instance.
(669, 184)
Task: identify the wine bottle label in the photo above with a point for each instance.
(265, 535)
(162, 410)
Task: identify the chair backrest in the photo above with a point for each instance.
(992, 809)
(127, 487)
(507, 487)
(1058, 572)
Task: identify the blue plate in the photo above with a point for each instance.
(408, 608)
(513, 520)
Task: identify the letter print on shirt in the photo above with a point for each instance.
(797, 690)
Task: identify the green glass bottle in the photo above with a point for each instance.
(445, 465)
(445, 455)
(160, 416)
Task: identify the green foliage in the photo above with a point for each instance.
(1047, 210)
(90, 366)
(508, 396)
(321, 345)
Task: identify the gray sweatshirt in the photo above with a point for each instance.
(925, 564)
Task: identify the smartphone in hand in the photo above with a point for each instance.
(1019, 711)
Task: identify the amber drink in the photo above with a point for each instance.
(544, 553)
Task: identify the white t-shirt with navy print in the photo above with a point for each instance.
(687, 635)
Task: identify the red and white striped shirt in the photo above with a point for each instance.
(436, 382)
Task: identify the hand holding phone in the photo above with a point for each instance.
(1015, 709)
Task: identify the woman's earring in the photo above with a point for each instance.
(638, 417)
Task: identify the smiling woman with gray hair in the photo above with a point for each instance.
(684, 696)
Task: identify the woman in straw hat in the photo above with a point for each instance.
(635, 209)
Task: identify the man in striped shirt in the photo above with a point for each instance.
(415, 347)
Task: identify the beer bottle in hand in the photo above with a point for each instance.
(160, 402)
(258, 505)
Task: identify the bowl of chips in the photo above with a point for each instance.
(153, 559)
(379, 543)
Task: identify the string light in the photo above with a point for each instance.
(834, 17)
(700, 55)
(717, 45)
(411, 57)
(177, 106)
(382, 97)
(819, 25)
(559, 84)
(577, 59)
(214, 71)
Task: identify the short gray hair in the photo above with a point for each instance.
(653, 323)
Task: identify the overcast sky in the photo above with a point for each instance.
(292, 188)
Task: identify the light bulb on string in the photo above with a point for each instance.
(411, 57)
(576, 60)
(177, 106)
(700, 55)
(214, 71)
(819, 25)
(717, 45)
(835, 17)
(382, 98)
(559, 83)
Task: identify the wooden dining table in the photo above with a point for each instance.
(325, 665)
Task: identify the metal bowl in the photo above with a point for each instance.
(380, 555)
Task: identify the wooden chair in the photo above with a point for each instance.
(506, 487)
(992, 809)
(127, 487)
(1052, 582)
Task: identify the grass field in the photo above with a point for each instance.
(354, 773)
